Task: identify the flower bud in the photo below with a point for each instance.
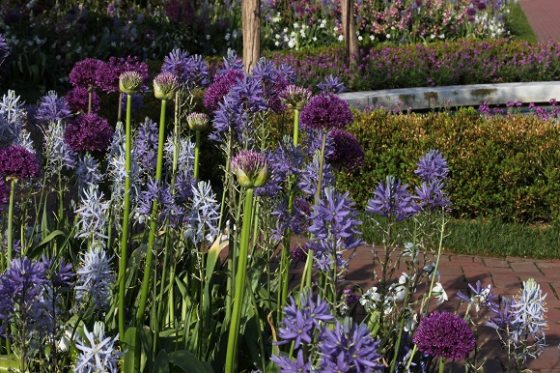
(197, 121)
(165, 85)
(295, 97)
(130, 82)
(251, 168)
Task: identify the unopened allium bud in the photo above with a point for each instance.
(197, 121)
(251, 168)
(165, 85)
(130, 82)
(295, 97)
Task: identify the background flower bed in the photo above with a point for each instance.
(504, 167)
(434, 64)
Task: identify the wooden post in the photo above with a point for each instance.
(251, 24)
(349, 29)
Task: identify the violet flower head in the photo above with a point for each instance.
(18, 162)
(52, 108)
(145, 146)
(432, 166)
(88, 133)
(204, 214)
(283, 161)
(352, 345)
(165, 85)
(220, 88)
(444, 335)
(84, 73)
(331, 84)
(4, 49)
(308, 176)
(191, 71)
(231, 62)
(250, 168)
(287, 365)
(77, 99)
(295, 97)
(107, 77)
(326, 111)
(529, 310)
(430, 196)
(391, 199)
(347, 153)
(274, 80)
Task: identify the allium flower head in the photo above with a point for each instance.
(52, 108)
(445, 335)
(77, 99)
(220, 88)
(4, 49)
(331, 84)
(108, 74)
(165, 85)
(18, 162)
(251, 168)
(130, 82)
(84, 73)
(326, 111)
(198, 121)
(295, 97)
(88, 133)
(432, 166)
(347, 153)
(97, 352)
(391, 199)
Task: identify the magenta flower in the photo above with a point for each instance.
(88, 133)
(77, 100)
(18, 162)
(84, 73)
(220, 88)
(326, 111)
(346, 150)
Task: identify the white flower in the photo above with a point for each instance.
(97, 352)
(340, 37)
(292, 43)
(277, 36)
(371, 301)
(296, 25)
(227, 36)
(360, 38)
(388, 36)
(439, 293)
(432, 36)
(314, 38)
(276, 44)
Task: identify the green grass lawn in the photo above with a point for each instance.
(492, 238)
(517, 23)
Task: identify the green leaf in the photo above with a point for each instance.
(161, 365)
(47, 240)
(188, 363)
(8, 363)
(129, 342)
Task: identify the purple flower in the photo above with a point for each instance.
(445, 335)
(77, 99)
(430, 195)
(432, 166)
(220, 88)
(331, 84)
(326, 111)
(288, 365)
(352, 346)
(297, 221)
(88, 133)
(346, 150)
(251, 168)
(146, 144)
(107, 76)
(283, 162)
(273, 81)
(18, 162)
(4, 49)
(391, 199)
(52, 108)
(308, 177)
(191, 71)
(84, 73)
(231, 62)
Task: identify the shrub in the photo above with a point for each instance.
(503, 166)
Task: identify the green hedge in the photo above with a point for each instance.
(505, 166)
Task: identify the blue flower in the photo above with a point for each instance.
(288, 365)
(331, 84)
(309, 176)
(97, 352)
(191, 71)
(430, 195)
(391, 199)
(52, 108)
(95, 279)
(432, 167)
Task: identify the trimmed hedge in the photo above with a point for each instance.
(504, 166)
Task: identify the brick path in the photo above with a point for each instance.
(544, 17)
(505, 275)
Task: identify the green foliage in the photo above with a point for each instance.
(503, 166)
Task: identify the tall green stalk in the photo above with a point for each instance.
(296, 127)
(13, 182)
(126, 217)
(240, 283)
(196, 154)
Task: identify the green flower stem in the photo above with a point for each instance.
(240, 283)
(176, 142)
(13, 182)
(145, 289)
(441, 365)
(196, 154)
(119, 107)
(90, 98)
(296, 127)
(126, 217)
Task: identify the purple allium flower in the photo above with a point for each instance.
(52, 108)
(165, 85)
(88, 133)
(191, 71)
(351, 345)
(326, 111)
(430, 195)
(287, 365)
(4, 49)
(251, 168)
(432, 166)
(107, 77)
(197, 121)
(77, 99)
(346, 150)
(84, 73)
(295, 97)
(445, 335)
(220, 88)
(331, 84)
(391, 199)
(18, 162)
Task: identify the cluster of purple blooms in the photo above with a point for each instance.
(512, 107)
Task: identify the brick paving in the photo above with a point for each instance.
(505, 275)
(544, 17)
